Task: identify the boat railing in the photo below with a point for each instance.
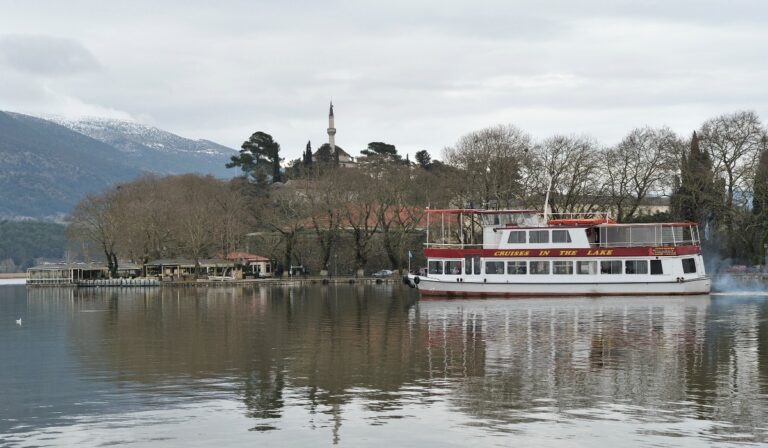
(682, 234)
(431, 245)
(650, 243)
(48, 280)
(581, 215)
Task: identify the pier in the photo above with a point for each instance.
(208, 283)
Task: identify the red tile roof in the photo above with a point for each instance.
(245, 256)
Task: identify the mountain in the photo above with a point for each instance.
(156, 150)
(46, 168)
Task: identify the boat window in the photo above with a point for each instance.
(636, 267)
(610, 267)
(436, 267)
(656, 267)
(689, 265)
(586, 267)
(560, 267)
(539, 236)
(539, 267)
(494, 267)
(453, 267)
(516, 237)
(468, 265)
(517, 267)
(561, 236)
(593, 236)
(476, 264)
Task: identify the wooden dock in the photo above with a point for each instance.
(285, 281)
(208, 283)
(119, 282)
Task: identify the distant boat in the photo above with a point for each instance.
(522, 253)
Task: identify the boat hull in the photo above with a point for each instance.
(431, 287)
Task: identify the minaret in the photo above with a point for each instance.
(331, 131)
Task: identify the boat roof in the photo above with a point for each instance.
(475, 211)
(603, 225)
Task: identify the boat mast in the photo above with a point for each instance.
(546, 199)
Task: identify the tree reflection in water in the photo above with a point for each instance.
(502, 363)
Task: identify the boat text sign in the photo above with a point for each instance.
(528, 253)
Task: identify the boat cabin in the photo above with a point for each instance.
(511, 229)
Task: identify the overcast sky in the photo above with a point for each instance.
(417, 74)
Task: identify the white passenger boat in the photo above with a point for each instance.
(523, 253)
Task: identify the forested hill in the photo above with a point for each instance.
(22, 243)
(46, 168)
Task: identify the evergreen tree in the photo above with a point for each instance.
(307, 160)
(259, 158)
(326, 157)
(698, 196)
(760, 203)
(380, 149)
(760, 195)
(423, 159)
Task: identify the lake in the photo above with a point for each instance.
(371, 365)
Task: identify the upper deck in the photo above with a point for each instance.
(530, 229)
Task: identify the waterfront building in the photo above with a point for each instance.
(72, 273)
(251, 264)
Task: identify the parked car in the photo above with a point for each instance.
(383, 273)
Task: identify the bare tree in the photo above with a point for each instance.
(643, 163)
(285, 212)
(146, 233)
(194, 220)
(493, 164)
(325, 201)
(734, 142)
(233, 220)
(359, 212)
(397, 212)
(572, 164)
(97, 220)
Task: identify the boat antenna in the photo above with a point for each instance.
(546, 199)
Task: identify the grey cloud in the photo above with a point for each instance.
(416, 74)
(46, 55)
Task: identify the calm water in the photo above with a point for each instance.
(372, 366)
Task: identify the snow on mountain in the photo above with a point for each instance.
(155, 149)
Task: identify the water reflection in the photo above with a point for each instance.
(339, 362)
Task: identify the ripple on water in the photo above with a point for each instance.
(352, 364)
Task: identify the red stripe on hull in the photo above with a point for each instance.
(487, 295)
(559, 252)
